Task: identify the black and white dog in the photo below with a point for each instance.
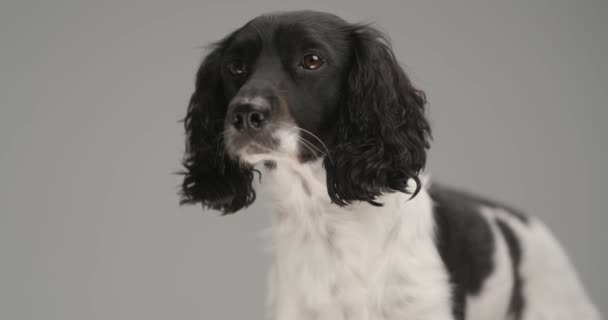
(321, 109)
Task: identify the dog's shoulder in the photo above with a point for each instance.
(463, 237)
(466, 239)
(465, 204)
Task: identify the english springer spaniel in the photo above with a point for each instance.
(320, 109)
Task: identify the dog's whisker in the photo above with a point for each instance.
(309, 146)
(318, 139)
(302, 139)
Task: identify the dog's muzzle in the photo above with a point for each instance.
(257, 123)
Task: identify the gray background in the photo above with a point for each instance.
(91, 93)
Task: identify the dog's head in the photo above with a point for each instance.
(301, 86)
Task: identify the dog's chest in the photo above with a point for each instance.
(323, 268)
(359, 262)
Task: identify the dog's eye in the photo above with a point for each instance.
(311, 61)
(237, 67)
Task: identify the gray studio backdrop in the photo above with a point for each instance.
(90, 97)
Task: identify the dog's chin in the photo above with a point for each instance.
(264, 147)
(254, 154)
(255, 150)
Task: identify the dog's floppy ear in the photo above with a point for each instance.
(382, 132)
(210, 176)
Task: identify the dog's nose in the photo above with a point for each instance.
(249, 117)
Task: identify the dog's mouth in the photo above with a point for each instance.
(267, 144)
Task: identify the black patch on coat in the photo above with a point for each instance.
(517, 303)
(479, 200)
(465, 243)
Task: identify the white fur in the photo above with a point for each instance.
(551, 288)
(354, 262)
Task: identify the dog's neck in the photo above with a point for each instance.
(326, 249)
(298, 192)
(304, 218)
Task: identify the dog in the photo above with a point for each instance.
(320, 110)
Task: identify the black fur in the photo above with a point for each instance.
(517, 304)
(382, 133)
(361, 110)
(465, 243)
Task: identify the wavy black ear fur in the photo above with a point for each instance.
(210, 176)
(382, 132)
